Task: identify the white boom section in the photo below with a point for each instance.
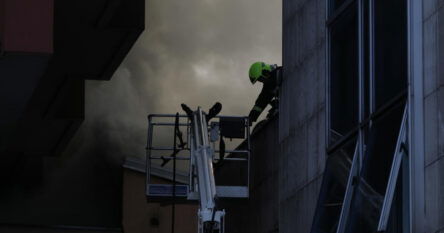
(210, 219)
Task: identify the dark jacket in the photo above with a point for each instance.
(270, 91)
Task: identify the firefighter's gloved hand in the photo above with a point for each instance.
(217, 107)
(187, 110)
(253, 116)
(272, 112)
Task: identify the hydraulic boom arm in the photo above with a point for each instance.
(210, 219)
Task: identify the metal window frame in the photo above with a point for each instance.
(392, 181)
(361, 70)
(359, 151)
(412, 128)
(331, 17)
(399, 155)
(416, 116)
(354, 172)
(371, 60)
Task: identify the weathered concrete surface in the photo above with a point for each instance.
(258, 214)
(434, 113)
(302, 113)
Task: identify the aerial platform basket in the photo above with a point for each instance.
(181, 183)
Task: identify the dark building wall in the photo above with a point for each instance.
(302, 113)
(35, 229)
(264, 190)
(48, 50)
(26, 26)
(26, 46)
(80, 191)
(258, 214)
(288, 153)
(140, 216)
(433, 39)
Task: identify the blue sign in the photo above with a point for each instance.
(166, 190)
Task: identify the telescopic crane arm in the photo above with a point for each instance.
(210, 218)
(203, 131)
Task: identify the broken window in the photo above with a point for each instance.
(370, 188)
(367, 77)
(333, 188)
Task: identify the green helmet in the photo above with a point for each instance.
(257, 70)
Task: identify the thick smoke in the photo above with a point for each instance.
(195, 52)
(192, 51)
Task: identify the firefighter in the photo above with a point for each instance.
(270, 76)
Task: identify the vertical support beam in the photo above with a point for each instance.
(327, 75)
(361, 70)
(406, 192)
(349, 191)
(148, 153)
(247, 125)
(416, 115)
(371, 28)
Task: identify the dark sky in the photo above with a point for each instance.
(195, 52)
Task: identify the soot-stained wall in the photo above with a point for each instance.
(433, 58)
(258, 214)
(302, 113)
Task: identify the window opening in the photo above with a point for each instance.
(344, 75)
(390, 49)
(336, 176)
(367, 81)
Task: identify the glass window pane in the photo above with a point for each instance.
(390, 49)
(369, 195)
(333, 188)
(344, 74)
(335, 4)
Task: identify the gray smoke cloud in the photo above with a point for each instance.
(192, 51)
(195, 52)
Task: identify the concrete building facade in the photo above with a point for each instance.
(355, 66)
(302, 113)
(433, 97)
